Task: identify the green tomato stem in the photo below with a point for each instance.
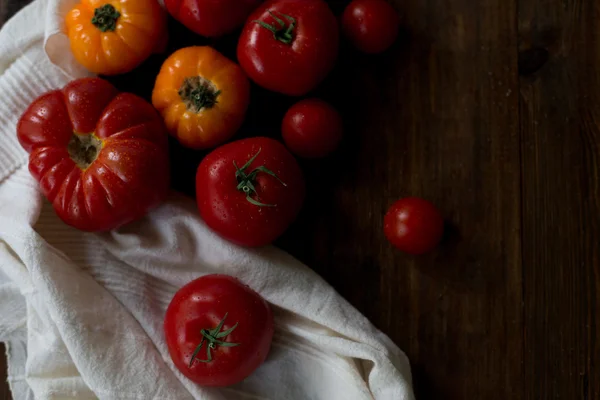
(285, 32)
(105, 18)
(84, 149)
(246, 181)
(198, 93)
(212, 338)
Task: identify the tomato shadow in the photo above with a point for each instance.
(184, 163)
(462, 271)
(425, 386)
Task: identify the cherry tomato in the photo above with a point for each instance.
(101, 157)
(289, 46)
(312, 128)
(371, 25)
(202, 96)
(218, 330)
(114, 36)
(209, 17)
(250, 191)
(414, 225)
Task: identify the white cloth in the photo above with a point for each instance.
(82, 313)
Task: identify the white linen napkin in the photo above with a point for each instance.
(82, 313)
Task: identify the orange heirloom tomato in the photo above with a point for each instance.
(202, 96)
(112, 37)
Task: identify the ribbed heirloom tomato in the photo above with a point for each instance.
(218, 330)
(209, 17)
(249, 191)
(100, 157)
(111, 37)
(289, 46)
(202, 96)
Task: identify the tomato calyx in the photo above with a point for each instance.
(285, 32)
(246, 181)
(84, 149)
(212, 337)
(105, 18)
(198, 93)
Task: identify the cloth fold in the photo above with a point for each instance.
(82, 313)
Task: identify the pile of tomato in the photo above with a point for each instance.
(101, 157)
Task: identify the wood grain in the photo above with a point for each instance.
(490, 109)
(560, 116)
(436, 117)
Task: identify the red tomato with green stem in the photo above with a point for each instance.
(218, 330)
(289, 46)
(414, 225)
(250, 191)
(209, 17)
(312, 128)
(371, 25)
(100, 156)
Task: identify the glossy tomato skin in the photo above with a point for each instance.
(130, 174)
(414, 225)
(298, 67)
(208, 127)
(139, 30)
(371, 25)
(226, 210)
(312, 128)
(202, 304)
(209, 17)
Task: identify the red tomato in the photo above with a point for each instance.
(414, 225)
(211, 17)
(250, 191)
(371, 25)
(312, 128)
(289, 46)
(100, 157)
(218, 330)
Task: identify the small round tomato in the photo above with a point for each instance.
(312, 128)
(289, 46)
(202, 96)
(100, 156)
(218, 330)
(414, 225)
(250, 191)
(209, 17)
(111, 37)
(371, 25)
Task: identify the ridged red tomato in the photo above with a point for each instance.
(100, 156)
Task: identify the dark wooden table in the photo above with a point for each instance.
(490, 109)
